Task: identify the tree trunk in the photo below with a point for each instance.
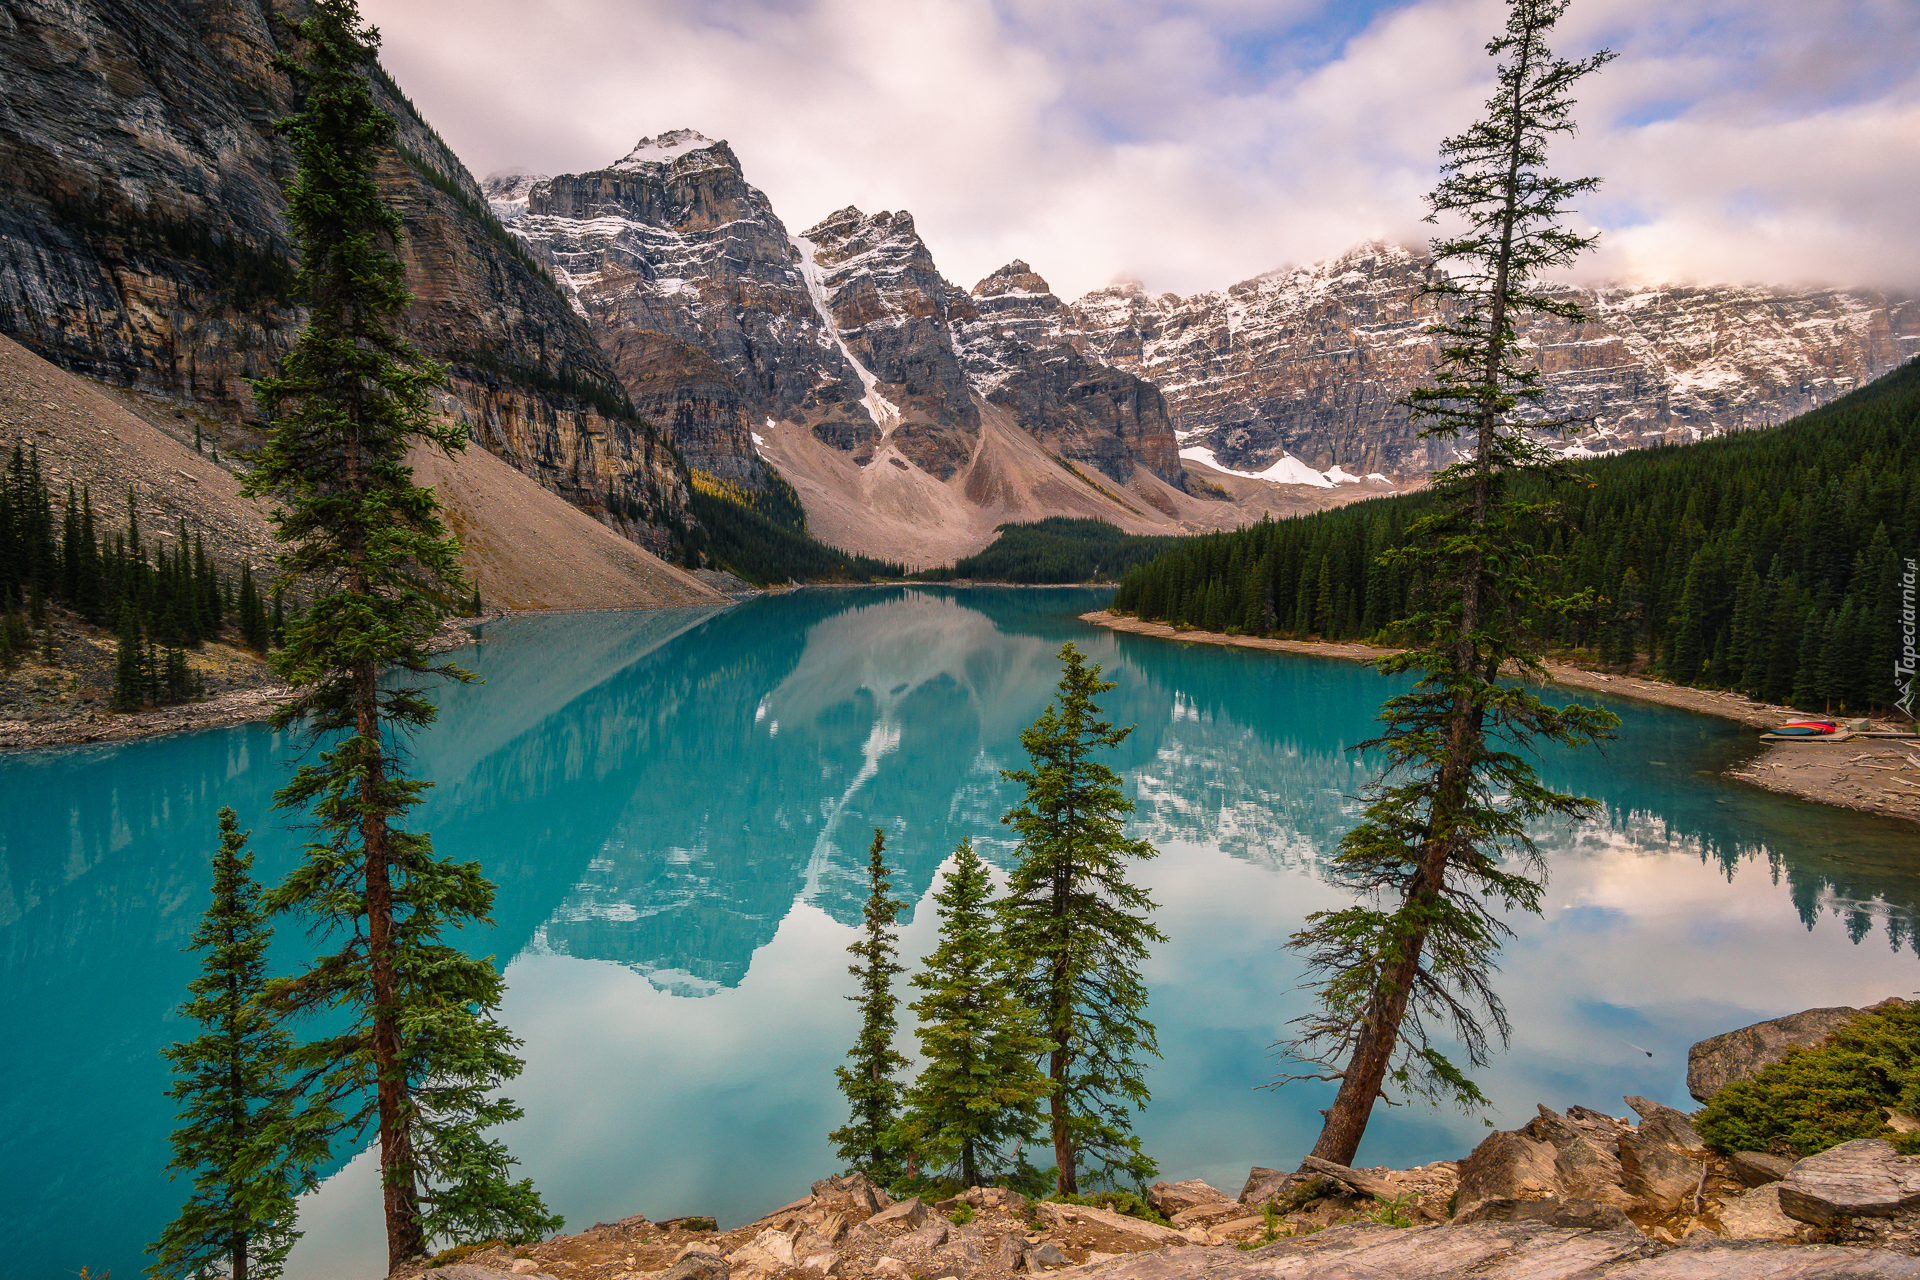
(399, 1193)
(1057, 1109)
(1061, 1015)
(1346, 1119)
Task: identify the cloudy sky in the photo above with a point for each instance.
(1193, 143)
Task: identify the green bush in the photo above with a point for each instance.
(1124, 1202)
(1836, 1092)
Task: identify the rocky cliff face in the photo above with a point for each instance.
(1022, 349)
(874, 279)
(1311, 362)
(143, 240)
(693, 287)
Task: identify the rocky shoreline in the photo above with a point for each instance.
(1579, 1195)
(1875, 775)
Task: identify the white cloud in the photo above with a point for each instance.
(1195, 143)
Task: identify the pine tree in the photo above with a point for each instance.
(242, 1135)
(253, 626)
(129, 683)
(979, 1092)
(1428, 859)
(177, 683)
(1079, 931)
(866, 1144)
(417, 1056)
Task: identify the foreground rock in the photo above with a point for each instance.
(1314, 1224)
(1861, 1179)
(1503, 1249)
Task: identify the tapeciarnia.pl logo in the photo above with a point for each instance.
(1903, 666)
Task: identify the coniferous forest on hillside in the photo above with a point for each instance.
(1767, 562)
(161, 604)
(1056, 550)
(761, 535)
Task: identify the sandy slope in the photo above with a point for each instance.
(87, 437)
(529, 548)
(893, 510)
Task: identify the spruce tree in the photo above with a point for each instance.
(129, 684)
(416, 1054)
(866, 1144)
(1079, 931)
(1444, 842)
(242, 1137)
(978, 1095)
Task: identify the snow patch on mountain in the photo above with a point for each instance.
(665, 149)
(1289, 470)
(1314, 362)
(882, 410)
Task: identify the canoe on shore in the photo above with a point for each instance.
(1805, 729)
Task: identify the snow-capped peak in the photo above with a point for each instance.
(1016, 278)
(664, 149)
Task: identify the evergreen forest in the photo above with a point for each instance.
(161, 600)
(1058, 549)
(1767, 562)
(761, 535)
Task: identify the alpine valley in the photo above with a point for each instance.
(615, 336)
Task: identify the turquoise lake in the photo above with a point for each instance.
(676, 807)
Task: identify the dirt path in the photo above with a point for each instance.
(1876, 775)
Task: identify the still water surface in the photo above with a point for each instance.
(676, 807)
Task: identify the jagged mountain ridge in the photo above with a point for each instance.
(846, 329)
(143, 241)
(1022, 351)
(142, 236)
(1311, 362)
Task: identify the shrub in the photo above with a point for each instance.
(1124, 1202)
(1833, 1093)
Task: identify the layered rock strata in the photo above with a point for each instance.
(874, 279)
(143, 240)
(1312, 362)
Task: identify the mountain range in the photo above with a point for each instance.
(609, 334)
(1311, 362)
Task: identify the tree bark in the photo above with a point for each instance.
(399, 1192)
(1060, 1062)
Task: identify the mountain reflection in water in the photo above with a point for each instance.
(679, 804)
